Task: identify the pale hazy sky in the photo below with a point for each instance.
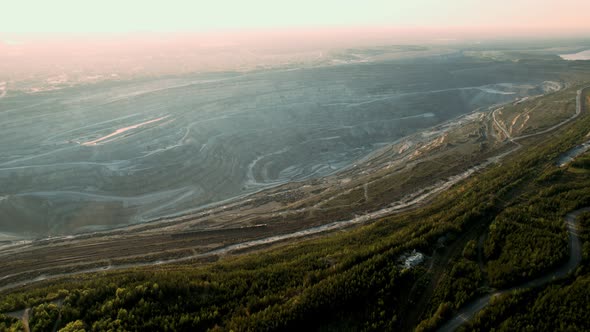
(125, 16)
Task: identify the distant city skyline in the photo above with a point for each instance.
(71, 17)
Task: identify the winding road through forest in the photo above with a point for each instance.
(23, 316)
(469, 310)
